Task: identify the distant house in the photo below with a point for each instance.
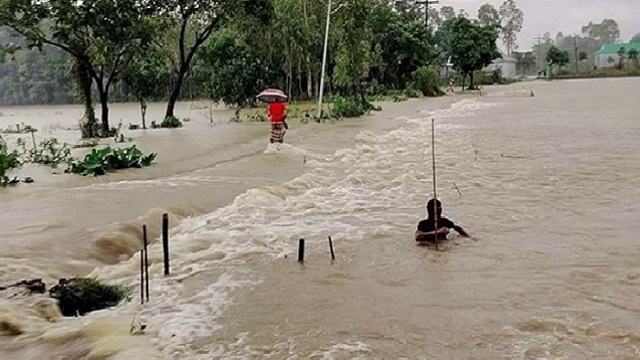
(445, 68)
(506, 65)
(607, 56)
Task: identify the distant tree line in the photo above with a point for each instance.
(102, 51)
(576, 49)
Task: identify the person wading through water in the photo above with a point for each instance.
(426, 228)
(277, 112)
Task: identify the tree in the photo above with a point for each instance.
(101, 36)
(635, 39)
(352, 50)
(526, 61)
(622, 53)
(472, 46)
(605, 32)
(633, 56)
(512, 19)
(143, 75)
(488, 15)
(583, 56)
(231, 69)
(196, 20)
(447, 13)
(557, 57)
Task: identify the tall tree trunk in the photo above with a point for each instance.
(175, 93)
(143, 112)
(471, 85)
(104, 105)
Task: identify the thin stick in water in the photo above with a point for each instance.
(458, 190)
(141, 276)
(333, 256)
(433, 162)
(146, 261)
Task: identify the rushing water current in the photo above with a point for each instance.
(549, 185)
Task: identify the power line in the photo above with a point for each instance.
(426, 4)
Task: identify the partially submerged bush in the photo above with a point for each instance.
(99, 162)
(48, 152)
(81, 296)
(426, 81)
(171, 122)
(346, 108)
(8, 160)
(21, 128)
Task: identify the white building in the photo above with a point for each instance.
(506, 65)
(608, 56)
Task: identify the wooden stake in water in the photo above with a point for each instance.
(146, 261)
(333, 256)
(301, 251)
(165, 242)
(141, 276)
(433, 163)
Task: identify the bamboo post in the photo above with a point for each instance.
(141, 276)
(333, 256)
(301, 250)
(165, 242)
(433, 163)
(146, 260)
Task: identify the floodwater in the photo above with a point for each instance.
(548, 184)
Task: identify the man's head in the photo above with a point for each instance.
(430, 206)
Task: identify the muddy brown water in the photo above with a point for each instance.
(548, 184)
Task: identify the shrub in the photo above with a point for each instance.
(426, 81)
(346, 108)
(8, 160)
(81, 296)
(171, 122)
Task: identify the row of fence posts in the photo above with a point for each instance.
(301, 250)
(144, 256)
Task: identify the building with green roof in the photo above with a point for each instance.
(608, 56)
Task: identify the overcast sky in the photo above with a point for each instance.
(567, 16)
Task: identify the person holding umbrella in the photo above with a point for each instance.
(277, 112)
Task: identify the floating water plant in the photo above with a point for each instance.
(99, 162)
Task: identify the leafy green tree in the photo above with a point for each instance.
(196, 21)
(488, 15)
(512, 19)
(143, 75)
(472, 46)
(635, 38)
(557, 57)
(633, 56)
(231, 68)
(608, 31)
(447, 13)
(101, 36)
(622, 53)
(352, 48)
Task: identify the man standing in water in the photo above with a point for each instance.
(277, 112)
(426, 228)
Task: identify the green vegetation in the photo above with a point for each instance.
(99, 51)
(8, 160)
(80, 296)
(99, 162)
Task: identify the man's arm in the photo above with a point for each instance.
(462, 232)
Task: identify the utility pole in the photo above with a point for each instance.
(324, 54)
(426, 4)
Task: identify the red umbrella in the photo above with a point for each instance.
(272, 95)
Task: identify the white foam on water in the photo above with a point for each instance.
(341, 195)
